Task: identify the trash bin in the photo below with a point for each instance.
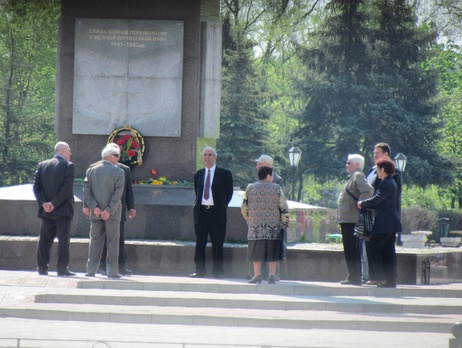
(443, 227)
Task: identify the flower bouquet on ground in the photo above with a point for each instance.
(131, 145)
(162, 180)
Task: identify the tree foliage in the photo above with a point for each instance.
(242, 123)
(366, 84)
(28, 36)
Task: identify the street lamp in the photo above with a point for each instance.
(400, 160)
(294, 158)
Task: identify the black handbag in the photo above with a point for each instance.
(283, 243)
(363, 228)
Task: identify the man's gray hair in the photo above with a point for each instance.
(109, 150)
(209, 148)
(355, 158)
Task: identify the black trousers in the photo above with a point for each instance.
(209, 226)
(122, 250)
(52, 227)
(351, 251)
(381, 255)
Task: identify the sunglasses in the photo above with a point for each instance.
(115, 154)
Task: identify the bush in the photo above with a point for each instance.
(455, 218)
(419, 219)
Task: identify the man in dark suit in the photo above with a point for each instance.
(214, 189)
(102, 190)
(53, 190)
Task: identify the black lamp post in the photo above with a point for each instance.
(294, 158)
(400, 161)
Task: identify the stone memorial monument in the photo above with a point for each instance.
(152, 65)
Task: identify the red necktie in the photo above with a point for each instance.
(207, 185)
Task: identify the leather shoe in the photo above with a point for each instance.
(374, 282)
(115, 276)
(256, 280)
(197, 275)
(125, 271)
(42, 271)
(91, 275)
(348, 282)
(66, 273)
(385, 285)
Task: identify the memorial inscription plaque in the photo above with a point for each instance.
(128, 72)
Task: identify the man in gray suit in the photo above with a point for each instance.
(102, 190)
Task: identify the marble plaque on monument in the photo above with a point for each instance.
(128, 72)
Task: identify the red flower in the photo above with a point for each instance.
(120, 142)
(127, 137)
(131, 153)
(154, 172)
(135, 144)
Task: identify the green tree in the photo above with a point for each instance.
(448, 62)
(366, 84)
(242, 121)
(28, 36)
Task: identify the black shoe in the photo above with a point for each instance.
(66, 273)
(115, 276)
(103, 272)
(91, 275)
(256, 280)
(197, 275)
(248, 277)
(347, 282)
(386, 285)
(125, 271)
(218, 276)
(42, 271)
(374, 282)
(272, 280)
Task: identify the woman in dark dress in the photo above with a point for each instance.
(264, 206)
(381, 253)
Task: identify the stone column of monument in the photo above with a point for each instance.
(154, 65)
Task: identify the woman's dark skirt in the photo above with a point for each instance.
(264, 250)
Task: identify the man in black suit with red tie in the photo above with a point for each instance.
(53, 190)
(214, 190)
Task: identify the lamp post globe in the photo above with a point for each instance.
(294, 158)
(401, 161)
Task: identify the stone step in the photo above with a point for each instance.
(233, 317)
(288, 288)
(347, 304)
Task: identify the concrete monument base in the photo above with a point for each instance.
(312, 262)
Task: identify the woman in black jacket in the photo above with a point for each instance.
(381, 253)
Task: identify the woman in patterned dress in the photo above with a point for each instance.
(264, 206)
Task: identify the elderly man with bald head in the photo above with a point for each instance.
(53, 190)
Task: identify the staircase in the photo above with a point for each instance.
(209, 304)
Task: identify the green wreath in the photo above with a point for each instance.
(131, 144)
